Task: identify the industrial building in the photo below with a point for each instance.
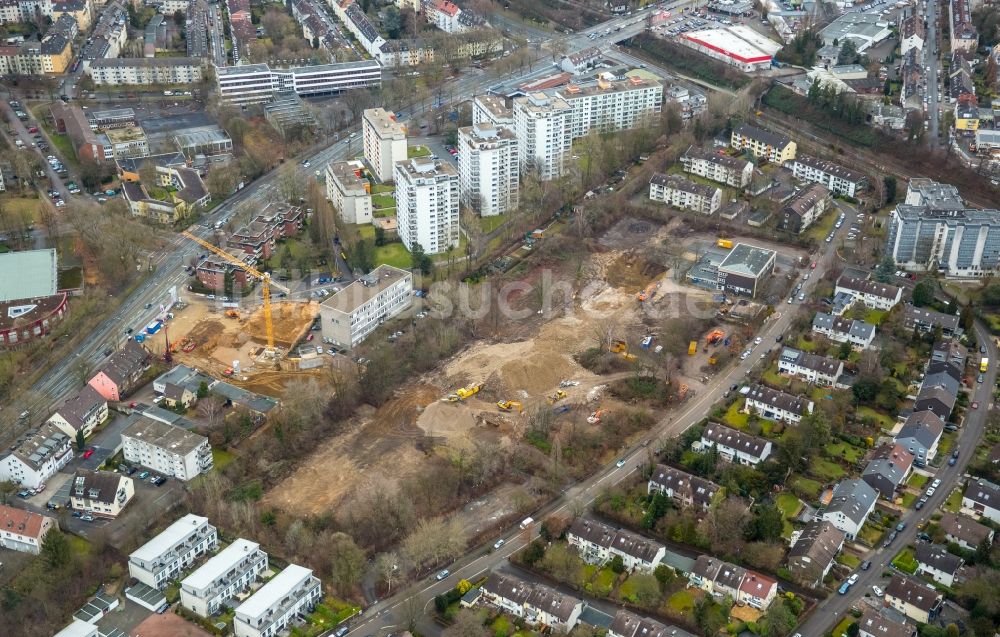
(745, 269)
(864, 28)
(350, 315)
(737, 45)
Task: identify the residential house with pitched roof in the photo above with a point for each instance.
(682, 487)
(935, 561)
(37, 458)
(920, 435)
(872, 294)
(121, 372)
(628, 624)
(982, 499)
(913, 598)
(926, 320)
(774, 404)
(22, 530)
(852, 502)
(734, 445)
(82, 411)
(860, 334)
(814, 550)
(538, 605)
(888, 469)
(598, 542)
(811, 368)
(964, 531)
(874, 624)
(763, 144)
(938, 398)
(722, 579)
(100, 493)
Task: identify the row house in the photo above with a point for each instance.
(773, 404)
(682, 487)
(982, 499)
(964, 531)
(913, 598)
(121, 372)
(852, 502)
(536, 604)
(164, 557)
(935, 561)
(814, 552)
(874, 624)
(22, 530)
(597, 543)
(860, 334)
(888, 470)
(872, 294)
(925, 320)
(628, 624)
(811, 368)
(734, 445)
(719, 167)
(836, 178)
(256, 239)
(723, 579)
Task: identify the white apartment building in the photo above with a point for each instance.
(348, 192)
(275, 605)
(38, 458)
(257, 83)
(610, 104)
(427, 204)
(349, 316)
(142, 71)
(488, 169)
(100, 493)
(22, 530)
(542, 126)
(223, 577)
(836, 178)
(245, 85)
(724, 169)
(384, 142)
(492, 109)
(162, 559)
(811, 368)
(82, 411)
(683, 193)
(734, 445)
(774, 404)
(166, 449)
(875, 295)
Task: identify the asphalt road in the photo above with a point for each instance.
(830, 611)
(933, 66)
(21, 132)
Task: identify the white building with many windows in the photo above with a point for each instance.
(542, 125)
(492, 109)
(100, 493)
(292, 592)
(734, 445)
(836, 178)
(143, 71)
(166, 449)
(488, 169)
(724, 169)
(22, 530)
(683, 193)
(163, 558)
(427, 204)
(349, 316)
(38, 458)
(224, 576)
(348, 192)
(811, 368)
(610, 103)
(384, 141)
(257, 83)
(245, 85)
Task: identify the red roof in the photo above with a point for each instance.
(20, 521)
(447, 7)
(757, 585)
(729, 54)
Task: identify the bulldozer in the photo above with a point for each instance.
(556, 397)
(464, 392)
(621, 347)
(507, 405)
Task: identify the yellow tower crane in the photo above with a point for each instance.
(264, 277)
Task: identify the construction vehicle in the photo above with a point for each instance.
(507, 405)
(232, 314)
(621, 347)
(692, 348)
(715, 336)
(464, 392)
(265, 279)
(569, 383)
(648, 293)
(595, 418)
(559, 395)
(724, 243)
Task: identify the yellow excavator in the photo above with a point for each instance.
(507, 405)
(621, 347)
(464, 392)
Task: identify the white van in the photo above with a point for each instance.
(526, 522)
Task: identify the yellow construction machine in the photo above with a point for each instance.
(507, 405)
(621, 347)
(464, 392)
(556, 397)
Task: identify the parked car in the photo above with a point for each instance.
(878, 591)
(866, 565)
(143, 475)
(88, 453)
(442, 575)
(901, 526)
(87, 518)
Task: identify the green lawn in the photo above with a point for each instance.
(604, 582)
(826, 470)
(489, 224)
(394, 254)
(458, 251)
(789, 504)
(378, 188)
(383, 201)
(870, 535)
(954, 501)
(417, 151)
(18, 206)
(917, 481)
(734, 418)
(840, 630)
(905, 561)
(946, 444)
(384, 212)
(822, 227)
(771, 377)
(843, 450)
(875, 317)
(682, 602)
(908, 500)
(883, 421)
(848, 560)
(221, 458)
(806, 488)
(804, 345)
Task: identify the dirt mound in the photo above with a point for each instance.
(519, 367)
(494, 388)
(290, 322)
(273, 382)
(631, 271)
(206, 333)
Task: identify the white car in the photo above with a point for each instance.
(853, 579)
(878, 591)
(60, 203)
(758, 340)
(929, 492)
(936, 483)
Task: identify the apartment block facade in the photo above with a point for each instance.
(224, 576)
(163, 558)
(166, 449)
(350, 315)
(488, 169)
(277, 603)
(384, 142)
(427, 196)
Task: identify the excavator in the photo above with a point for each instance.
(464, 392)
(648, 293)
(232, 314)
(507, 405)
(595, 418)
(621, 347)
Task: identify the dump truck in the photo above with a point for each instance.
(464, 392)
(692, 348)
(724, 243)
(507, 405)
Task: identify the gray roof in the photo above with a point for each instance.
(253, 402)
(854, 498)
(923, 426)
(735, 439)
(734, 163)
(922, 316)
(145, 62)
(964, 528)
(937, 557)
(628, 624)
(685, 485)
(780, 400)
(874, 623)
(828, 166)
(764, 136)
(867, 286)
(816, 547)
(935, 398)
(984, 492)
(806, 199)
(28, 274)
(748, 260)
(815, 362)
(883, 475)
(914, 592)
(100, 486)
(678, 182)
(861, 330)
(79, 407)
(126, 362)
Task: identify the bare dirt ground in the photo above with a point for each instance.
(526, 364)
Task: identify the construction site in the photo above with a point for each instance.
(494, 388)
